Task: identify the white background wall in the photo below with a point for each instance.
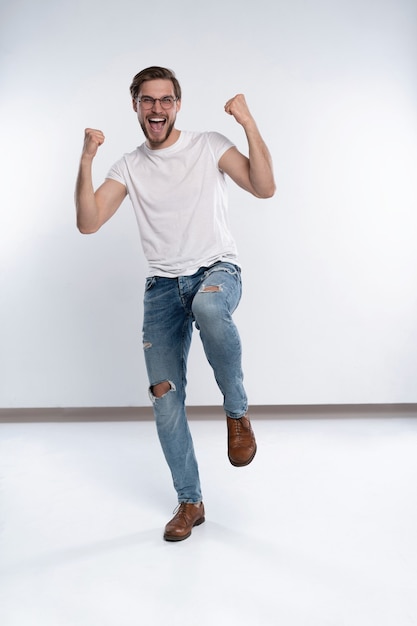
(329, 313)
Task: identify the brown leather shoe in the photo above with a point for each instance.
(241, 441)
(186, 517)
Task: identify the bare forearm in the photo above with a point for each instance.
(261, 172)
(85, 202)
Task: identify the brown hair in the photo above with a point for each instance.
(152, 73)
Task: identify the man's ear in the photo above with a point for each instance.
(135, 105)
(178, 103)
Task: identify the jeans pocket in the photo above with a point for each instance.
(149, 283)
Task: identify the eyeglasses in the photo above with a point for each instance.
(167, 102)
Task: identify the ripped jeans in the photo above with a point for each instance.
(171, 306)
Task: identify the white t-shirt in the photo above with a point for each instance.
(179, 196)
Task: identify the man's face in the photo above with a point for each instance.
(157, 122)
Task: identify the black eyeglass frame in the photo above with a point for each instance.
(166, 102)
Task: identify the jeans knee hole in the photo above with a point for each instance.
(211, 288)
(161, 389)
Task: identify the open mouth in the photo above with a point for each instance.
(157, 123)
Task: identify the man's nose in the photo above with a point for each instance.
(155, 106)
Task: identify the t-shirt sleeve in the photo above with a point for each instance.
(219, 144)
(117, 172)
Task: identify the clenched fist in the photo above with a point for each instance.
(239, 109)
(92, 140)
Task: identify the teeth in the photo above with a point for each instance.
(157, 119)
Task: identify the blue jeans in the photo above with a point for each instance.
(171, 306)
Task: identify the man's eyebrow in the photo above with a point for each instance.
(168, 95)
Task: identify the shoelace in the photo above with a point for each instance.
(181, 509)
(178, 507)
(238, 428)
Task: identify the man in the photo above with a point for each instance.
(176, 183)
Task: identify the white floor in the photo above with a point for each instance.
(321, 530)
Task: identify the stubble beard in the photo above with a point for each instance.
(161, 140)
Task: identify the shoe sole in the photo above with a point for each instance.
(245, 463)
(175, 538)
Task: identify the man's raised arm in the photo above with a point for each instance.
(254, 174)
(94, 208)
